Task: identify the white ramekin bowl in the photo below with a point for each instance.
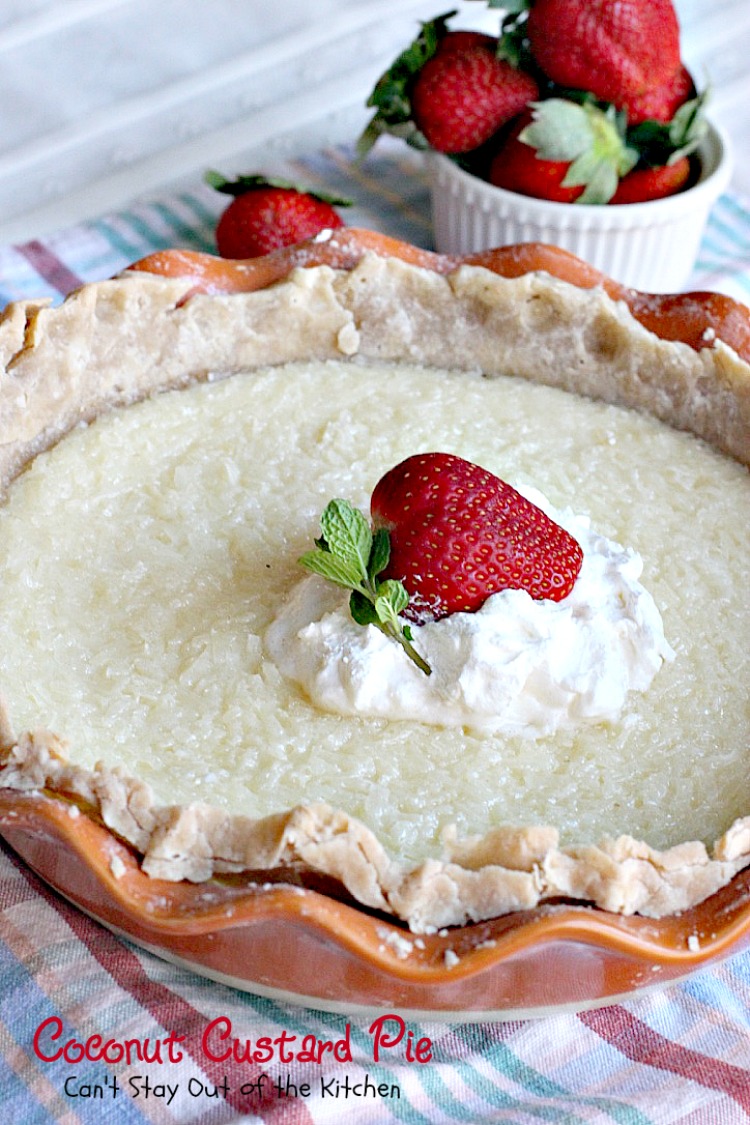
(649, 246)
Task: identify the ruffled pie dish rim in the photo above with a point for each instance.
(703, 386)
(299, 945)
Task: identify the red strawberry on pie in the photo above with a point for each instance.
(459, 534)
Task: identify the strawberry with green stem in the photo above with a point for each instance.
(565, 152)
(268, 212)
(578, 151)
(448, 91)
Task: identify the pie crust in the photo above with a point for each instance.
(115, 342)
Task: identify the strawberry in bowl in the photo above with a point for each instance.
(587, 103)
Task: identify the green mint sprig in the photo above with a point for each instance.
(349, 554)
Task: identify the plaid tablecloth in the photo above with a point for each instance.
(676, 1056)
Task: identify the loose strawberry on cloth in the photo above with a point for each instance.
(267, 213)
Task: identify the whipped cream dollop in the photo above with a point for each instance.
(516, 666)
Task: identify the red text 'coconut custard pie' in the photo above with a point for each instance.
(423, 576)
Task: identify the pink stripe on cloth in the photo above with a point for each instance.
(174, 1014)
(14, 891)
(49, 266)
(639, 1042)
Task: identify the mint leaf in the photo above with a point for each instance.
(328, 566)
(347, 535)
(380, 553)
(392, 599)
(362, 609)
(349, 554)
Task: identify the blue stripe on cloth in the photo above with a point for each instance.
(325, 1025)
(724, 256)
(498, 1101)
(550, 1092)
(711, 991)
(721, 249)
(199, 236)
(120, 241)
(23, 1008)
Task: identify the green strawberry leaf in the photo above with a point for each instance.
(513, 43)
(659, 143)
(597, 176)
(242, 184)
(688, 126)
(560, 130)
(588, 138)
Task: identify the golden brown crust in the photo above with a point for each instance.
(121, 340)
(692, 318)
(117, 341)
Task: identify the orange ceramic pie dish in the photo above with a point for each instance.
(212, 810)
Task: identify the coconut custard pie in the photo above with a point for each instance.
(168, 664)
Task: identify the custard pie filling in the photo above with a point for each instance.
(155, 617)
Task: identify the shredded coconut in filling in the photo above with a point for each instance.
(145, 557)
